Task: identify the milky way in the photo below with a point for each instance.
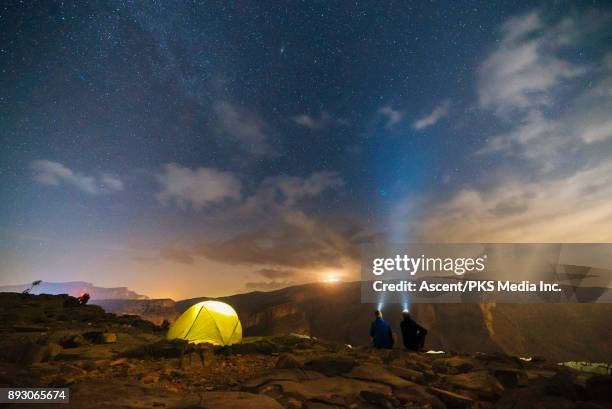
(187, 148)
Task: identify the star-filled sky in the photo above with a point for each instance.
(197, 148)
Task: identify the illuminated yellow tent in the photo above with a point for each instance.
(208, 321)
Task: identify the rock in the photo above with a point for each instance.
(406, 373)
(325, 402)
(53, 350)
(328, 387)
(109, 337)
(72, 341)
(237, 400)
(381, 400)
(599, 388)
(531, 398)
(295, 375)
(32, 353)
(510, 377)
(317, 405)
(562, 384)
(69, 375)
(377, 373)
(480, 381)
(100, 337)
(287, 361)
(419, 397)
(453, 365)
(120, 361)
(451, 399)
(331, 365)
(495, 360)
(264, 347)
(29, 328)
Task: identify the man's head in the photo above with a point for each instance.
(406, 314)
(378, 314)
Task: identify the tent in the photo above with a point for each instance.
(207, 321)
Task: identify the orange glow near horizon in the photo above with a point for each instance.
(330, 278)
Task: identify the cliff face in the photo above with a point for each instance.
(155, 310)
(335, 312)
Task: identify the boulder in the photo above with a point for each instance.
(480, 381)
(295, 375)
(562, 384)
(599, 388)
(328, 387)
(496, 360)
(72, 341)
(454, 365)
(510, 377)
(331, 365)
(452, 400)
(287, 361)
(531, 398)
(100, 337)
(32, 353)
(419, 397)
(378, 374)
(380, 399)
(237, 400)
(53, 350)
(406, 373)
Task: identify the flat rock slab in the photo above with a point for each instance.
(451, 399)
(479, 381)
(455, 365)
(328, 388)
(237, 400)
(378, 374)
(331, 365)
(294, 375)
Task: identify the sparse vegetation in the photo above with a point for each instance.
(31, 287)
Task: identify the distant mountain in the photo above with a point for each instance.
(76, 288)
(559, 332)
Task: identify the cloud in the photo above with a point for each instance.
(315, 124)
(197, 187)
(268, 285)
(438, 113)
(574, 209)
(393, 116)
(178, 254)
(52, 173)
(293, 189)
(112, 182)
(244, 128)
(523, 70)
(559, 144)
(283, 237)
(274, 274)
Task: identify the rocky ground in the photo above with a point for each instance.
(124, 362)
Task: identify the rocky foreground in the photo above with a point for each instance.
(124, 362)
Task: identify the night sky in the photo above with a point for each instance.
(193, 148)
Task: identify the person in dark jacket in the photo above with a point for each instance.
(413, 334)
(380, 331)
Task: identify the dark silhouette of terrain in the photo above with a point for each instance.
(334, 311)
(111, 361)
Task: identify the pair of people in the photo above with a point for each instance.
(413, 335)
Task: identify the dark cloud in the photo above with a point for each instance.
(178, 254)
(296, 241)
(267, 285)
(274, 274)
